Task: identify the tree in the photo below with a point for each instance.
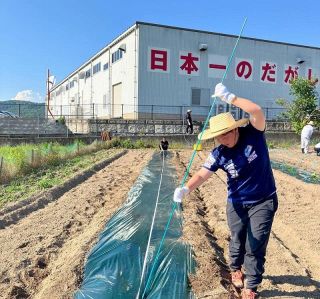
(303, 108)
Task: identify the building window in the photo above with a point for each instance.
(88, 74)
(71, 84)
(105, 66)
(116, 55)
(81, 75)
(200, 96)
(96, 68)
(67, 86)
(195, 96)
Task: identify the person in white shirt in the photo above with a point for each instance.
(306, 134)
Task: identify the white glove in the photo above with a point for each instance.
(179, 193)
(222, 92)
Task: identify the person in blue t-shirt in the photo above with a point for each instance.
(252, 199)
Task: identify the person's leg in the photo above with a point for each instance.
(259, 228)
(191, 129)
(302, 144)
(306, 148)
(187, 129)
(237, 218)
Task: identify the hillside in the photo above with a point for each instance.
(24, 108)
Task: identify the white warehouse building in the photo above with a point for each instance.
(160, 71)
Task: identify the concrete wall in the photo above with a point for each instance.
(147, 127)
(32, 130)
(140, 127)
(32, 126)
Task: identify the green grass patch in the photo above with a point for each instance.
(28, 169)
(48, 176)
(282, 144)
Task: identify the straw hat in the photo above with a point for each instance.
(220, 124)
(310, 123)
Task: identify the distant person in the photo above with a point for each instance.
(105, 135)
(306, 134)
(189, 128)
(164, 145)
(317, 149)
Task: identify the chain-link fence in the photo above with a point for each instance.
(124, 111)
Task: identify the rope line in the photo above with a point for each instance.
(152, 224)
(174, 205)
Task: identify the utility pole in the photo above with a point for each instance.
(48, 94)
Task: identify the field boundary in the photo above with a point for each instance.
(16, 211)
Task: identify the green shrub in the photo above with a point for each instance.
(61, 120)
(303, 107)
(127, 143)
(45, 183)
(271, 145)
(140, 144)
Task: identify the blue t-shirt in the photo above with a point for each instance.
(247, 164)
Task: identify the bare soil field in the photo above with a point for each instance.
(43, 254)
(293, 264)
(308, 162)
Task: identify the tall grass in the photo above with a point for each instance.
(16, 160)
(23, 159)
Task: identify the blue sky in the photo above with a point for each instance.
(61, 35)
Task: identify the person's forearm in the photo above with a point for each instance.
(197, 179)
(194, 182)
(257, 117)
(247, 105)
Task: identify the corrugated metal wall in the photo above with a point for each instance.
(264, 64)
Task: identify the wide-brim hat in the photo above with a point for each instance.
(220, 124)
(188, 110)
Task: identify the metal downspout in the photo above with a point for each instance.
(135, 88)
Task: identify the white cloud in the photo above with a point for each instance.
(29, 95)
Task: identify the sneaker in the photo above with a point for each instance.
(237, 278)
(248, 294)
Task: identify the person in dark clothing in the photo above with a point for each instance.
(189, 122)
(252, 202)
(164, 145)
(317, 149)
